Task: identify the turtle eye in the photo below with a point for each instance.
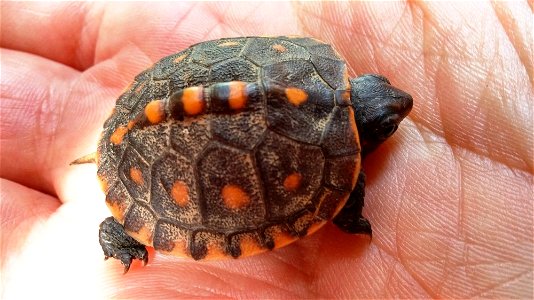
(389, 129)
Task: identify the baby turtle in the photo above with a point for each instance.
(240, 145)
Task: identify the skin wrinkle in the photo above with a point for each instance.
(410, 273)
(176, 27)
(504, 17)
(94, 10)
(236, 283)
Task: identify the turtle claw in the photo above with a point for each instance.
(118, 244)
(126, 269)
(145, 259)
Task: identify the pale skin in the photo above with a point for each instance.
(449, 195)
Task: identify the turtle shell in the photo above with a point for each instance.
(234, 184)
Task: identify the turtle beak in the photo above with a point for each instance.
(401, 103)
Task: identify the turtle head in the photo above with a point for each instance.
(378, 108)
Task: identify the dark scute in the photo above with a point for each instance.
(168, 65)
(198, 249)
(117, 196)
(132, 159)
(306, 122)
(150, 141)
(279, 157)
(244, 129)
(166, 171)
(201, 240)
(323, 50)
(159, 89)
(332, 71)
(236, 69)
(137, 92)
(339, 137)
(328, 200)
(303, 41)
(211, 52)
(341, 172)
(301, 222)
(148, 91)
(221, 165)
(261, 52)
(145, 75)
(109, 155)
(139, 216)
(191, 74)
(190, 137)
(166, 234)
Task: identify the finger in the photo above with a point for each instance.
(55, 113)
(181, 24)
(81, 34)
(63, 32)
(21, 210)
(53, 246)
(30, 86)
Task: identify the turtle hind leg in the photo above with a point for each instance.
(118, 244)
(350, 218)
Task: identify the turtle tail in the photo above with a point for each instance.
(86, 159)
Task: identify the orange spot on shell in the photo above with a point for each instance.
(279, 48)
(118, 135)
(193, 101)
(180, 193)
(228, 44)
(136, 176)
(296, 96)
(237, 97)
(140, 87)
(180, 58)
(250, 246)
(131, 124)
(234, 197)
(292, 182)
(155, 111)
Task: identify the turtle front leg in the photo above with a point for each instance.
(350, 218)
(118, 244)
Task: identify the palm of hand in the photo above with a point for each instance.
(448, 195)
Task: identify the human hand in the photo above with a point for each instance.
(449, 195)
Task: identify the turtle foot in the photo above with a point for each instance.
(118, 244)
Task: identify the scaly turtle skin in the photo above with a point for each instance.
(240, 145)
